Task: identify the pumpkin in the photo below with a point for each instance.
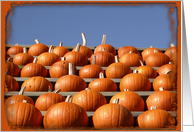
(34, 69)
(65, 115)
(131, 59)
(15, 50)
(10, 83)
(91, 71)
(103, 58)
(108, 47)
(18, 98)
(175, 58)
(156, 118)
(37, 83)
(76, 57)
(166, 68)
(171, 51)
(148, 71)
(157, 59)
(45, 101)
(89, 99)
(11, 68)
(117, 69)
(149, 51)
(130, 100)
(168, 81)
(127, 49)
(48, 58)
(112, 115)
(38, 48)
(23, 58)
(135, 82)
(83, 49)
(7, 56)
(103, 84)
(70, 82)
(60, 50)
(23, 114)
(165, 100)
(60, 68)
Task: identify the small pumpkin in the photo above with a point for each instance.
(15, 50)
(108, 47)
(65, 115)
(34, 69)
(166, 68)
(23, 58)
(91, 71)
(12, 69)
(112, 115)
(127, 49)
(117, 69)
(171, 51)
(10, 83)
(149, 51)
(89, 99)
(38, 48)
(60, 50)
(103, 84)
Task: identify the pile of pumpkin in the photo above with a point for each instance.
(70, 112)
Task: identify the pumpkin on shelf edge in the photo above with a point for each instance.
(10, 83)
(149, 51)
(171, 51)
(126, 49)
(15, 50)
(60, 50)
(12, 69)
(166, 68)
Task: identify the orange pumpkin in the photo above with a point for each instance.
(89, 99)
(108, 47)
(166, 68)
(130, 100)
(12, 69)
(23, 58)
(15, 50)
(149, 51)
(38, 48)
(112, 115)
(103, 84)
(10, 83)
(34, 69)
(117, 69)
(65, 115)
(60, 50)
(76, 57)
(91, 71)
(171, 51)
(127, 49)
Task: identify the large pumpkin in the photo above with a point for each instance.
(103, 84)
(34, 69)
(70, 82)
(12, 69)
(15, 50)
(10, 83)
(37, 83)
(171, 51)
(76, 57)
(91, 71)
(149, 51)
(23, 115)
(83, 49)
(89, 99)
(23, 58)
(130, 100)
(65, 115)
(166, 68)
(127, 49)
(112, 115)
(60, 50)
(135, 82)
(45, 101)
(48, 58)
(108, 47)
(117, 69)
(38, 48)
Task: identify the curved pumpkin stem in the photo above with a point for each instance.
(169, 72)
(104, 39)
(116, 101)
(84, 39)
(116, 59)
(25, 101)
(93, 59)
(135, 71)
(51, 49)
(35, 60)
(24, 50)
(22, 90)
(126, 89)
(101, 75)
(61, 43)
(69, 98)
(16, 44)
(141, 63)
(9, 59)
(37, 42)
(151, 46)
(77, 47)
(71, 69)
(161, 89)
(153, 108)
(57, 90)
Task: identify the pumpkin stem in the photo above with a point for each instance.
(71, 69)
(25, 101)
(170, 62)
(161, 89)
(87, 88)
(116, 101)
(93, 59)
(151, 46)
(5, 72)
(169, 72)
(126, 89)
(153, 108)
(77, 47)
(103, 49)
(63, 59)
(24, 50)
(84, 39)
(155, 51)
(104, 39)
(57, 90)
(51, 49)
(35, 60)
(60, 43)
(130, 51)
(37, 42)
(9, 59)
(141, 62)
(16, 44)
(22, 90)
(135, 71)
(116, 59)
(172, 45)
(69, 98)
(49, 89)
(101, 75)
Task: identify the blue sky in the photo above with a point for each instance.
(138, 26)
